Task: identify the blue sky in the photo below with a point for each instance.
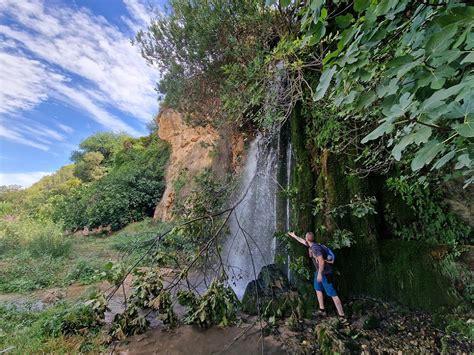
(67, 70)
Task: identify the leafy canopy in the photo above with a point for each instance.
(198, 45)
(409, 64)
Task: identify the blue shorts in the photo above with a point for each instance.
(326, 284)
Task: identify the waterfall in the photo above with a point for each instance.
(251, 242)
(289, 157)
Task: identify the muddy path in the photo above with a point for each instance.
(188, 339)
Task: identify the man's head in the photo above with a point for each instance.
(309, 237)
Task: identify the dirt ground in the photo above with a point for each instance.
(197, 341)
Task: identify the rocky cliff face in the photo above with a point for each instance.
(193, 149)
(191, 152)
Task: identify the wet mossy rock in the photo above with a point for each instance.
(406, 272)
(273, 292)
(302, 177)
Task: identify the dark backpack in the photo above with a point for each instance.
(330, 256)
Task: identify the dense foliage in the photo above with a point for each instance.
(398, 74)
(209, 52)
(129, 192)
(403, 68)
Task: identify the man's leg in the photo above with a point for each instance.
(318, 287)
(331, 292)
(338, 304)
(320, 296)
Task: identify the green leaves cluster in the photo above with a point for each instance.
(218, 306)
(148, 293)
(407, 63)
(430, 220)
(74, 318)
(210, 54)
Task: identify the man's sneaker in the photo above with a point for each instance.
(343, 321)
(320, 313)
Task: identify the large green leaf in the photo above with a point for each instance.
(344, 21)
(426, 154)
(366, 99)
(315, 5)
(384, 128)
(437, 98)
(324, 82)
(401, 145)
(421, 135)
(442, 39)
(466, 129)
(444, 160)
(457, 110)
(469, 58)
(361, 5)
(464, 161)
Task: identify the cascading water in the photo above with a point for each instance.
(251, 242)
(289, 157)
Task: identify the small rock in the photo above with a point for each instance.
(53, 296)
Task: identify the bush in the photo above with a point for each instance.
(9, 236)
(49, 240)
(134, 236)
(40, 238)
(128, 193)
(84, 273)
(66, 318)
(218, 306)
(61, 329)
(430, 220)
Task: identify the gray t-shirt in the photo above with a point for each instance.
(320, 250)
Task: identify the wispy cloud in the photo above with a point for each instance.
(140, 14)
(22, 179)
(25, 82)
(65, 128)
(77, 57)
(17, 137)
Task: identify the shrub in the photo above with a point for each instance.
(40, 238)
(84, 273)
(9, 236)
(218, 306)
(66, 318)
(23, 273)
(128, 193)
(48, 240)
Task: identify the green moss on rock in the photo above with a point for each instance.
(406, 273)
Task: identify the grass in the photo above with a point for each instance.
(85, 263)
(25, 330)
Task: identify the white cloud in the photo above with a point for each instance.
(82, 100)
(77, 57)
(22, 179)
(88, 46)
(25, 82)
(65, 128)
(17, 137)
(140, 13)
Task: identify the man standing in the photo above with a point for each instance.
(323, 275)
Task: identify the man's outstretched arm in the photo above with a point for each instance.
(298, 239)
